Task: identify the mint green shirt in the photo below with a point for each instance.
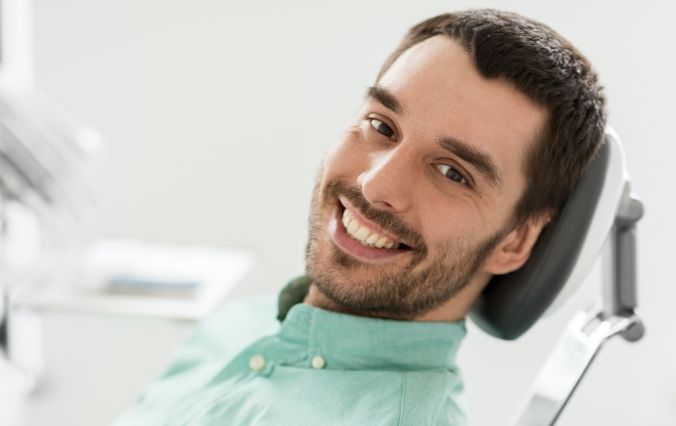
(317, 368)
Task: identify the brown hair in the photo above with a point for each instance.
(551, 72)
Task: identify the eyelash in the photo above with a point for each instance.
(371, 120)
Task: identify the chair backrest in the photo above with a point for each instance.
(564, 253)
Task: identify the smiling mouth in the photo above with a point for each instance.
(365, 235)
(363, 238)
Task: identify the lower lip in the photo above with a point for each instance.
(355, 248)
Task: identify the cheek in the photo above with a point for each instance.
(451, 221)
(441, 227)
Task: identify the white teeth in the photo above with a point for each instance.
(381, 242)
(362, 233)
(365, 235)
(353, 227)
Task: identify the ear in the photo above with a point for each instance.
(512, 252)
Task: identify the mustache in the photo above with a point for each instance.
(386, 220)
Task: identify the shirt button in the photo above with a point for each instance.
(318, 362)
(257, 362)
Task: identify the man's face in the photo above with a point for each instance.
(418, 196)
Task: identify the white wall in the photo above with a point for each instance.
(217, 113)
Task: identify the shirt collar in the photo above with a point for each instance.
(354, 342)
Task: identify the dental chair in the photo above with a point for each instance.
(598, 219)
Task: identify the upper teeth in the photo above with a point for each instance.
(364, 235)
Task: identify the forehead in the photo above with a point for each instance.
(443, 94)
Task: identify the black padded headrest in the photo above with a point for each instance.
(512, 303)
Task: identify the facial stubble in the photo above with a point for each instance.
(423, 284)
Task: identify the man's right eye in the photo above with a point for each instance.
(382, 128)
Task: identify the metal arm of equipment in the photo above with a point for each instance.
(588, 330)
(21, 354)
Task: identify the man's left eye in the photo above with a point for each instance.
(452, 173)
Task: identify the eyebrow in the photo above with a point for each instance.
(477, 158)
(385, 97)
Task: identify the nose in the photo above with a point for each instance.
(388, 181)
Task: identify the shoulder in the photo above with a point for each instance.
(216, 340)
(235, 325)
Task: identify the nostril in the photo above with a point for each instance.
(384, 205)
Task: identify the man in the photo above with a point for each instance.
(474, 133)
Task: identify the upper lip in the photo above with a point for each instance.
(357, 214)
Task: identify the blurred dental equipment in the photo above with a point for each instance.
(45, 197)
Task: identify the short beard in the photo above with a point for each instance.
(422, 285)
